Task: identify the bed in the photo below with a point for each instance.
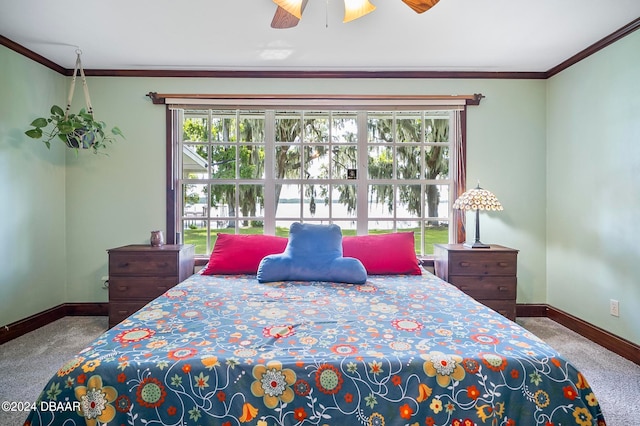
(397, 350)
(404, 349)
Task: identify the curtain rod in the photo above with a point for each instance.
(320, 100)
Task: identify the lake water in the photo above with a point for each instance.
(288, 212)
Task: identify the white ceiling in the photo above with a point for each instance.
(455, 35)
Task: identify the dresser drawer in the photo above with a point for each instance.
(146, 288)
(118, 311)
(142, 264)
(496, 263)
(506, 308)
(486, 287)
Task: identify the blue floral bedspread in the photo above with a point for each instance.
(399, 350)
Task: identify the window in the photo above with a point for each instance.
(257, 170)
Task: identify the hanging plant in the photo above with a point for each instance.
(77, 131)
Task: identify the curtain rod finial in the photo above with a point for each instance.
(155, 98)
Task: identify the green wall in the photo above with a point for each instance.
(32, 193)
(119, 199)
(107, 201)
(593, 186)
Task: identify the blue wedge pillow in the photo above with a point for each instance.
(313, 253)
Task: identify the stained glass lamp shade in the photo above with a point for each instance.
(477, 199)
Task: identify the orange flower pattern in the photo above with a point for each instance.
(273, 383)
(96, 401)
(443, 367)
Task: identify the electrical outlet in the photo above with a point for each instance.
(614, 308)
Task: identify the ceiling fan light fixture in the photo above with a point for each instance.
(294, 7)
(420, 6)
(354, 9)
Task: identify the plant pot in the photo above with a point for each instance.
(80, 139)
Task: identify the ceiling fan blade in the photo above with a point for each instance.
(420, 5)
(283, 19)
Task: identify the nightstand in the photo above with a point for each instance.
(488, 275)
(140, 273)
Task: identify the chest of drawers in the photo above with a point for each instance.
(140, 273)
(488, 275)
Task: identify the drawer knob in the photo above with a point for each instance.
(503, 288)
(123, 264)
(503, 264)
(464, 264)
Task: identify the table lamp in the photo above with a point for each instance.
(477, 199)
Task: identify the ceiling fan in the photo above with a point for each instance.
(289, 12)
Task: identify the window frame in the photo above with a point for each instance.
(337, 102)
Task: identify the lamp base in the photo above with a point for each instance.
(477, 245)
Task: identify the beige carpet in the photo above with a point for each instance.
(27, 363)
(614, 380)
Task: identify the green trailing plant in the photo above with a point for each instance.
(75, 130)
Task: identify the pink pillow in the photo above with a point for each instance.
(241, 254)
(384, 254)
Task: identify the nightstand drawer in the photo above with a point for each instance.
(121, 310)
(506, 308)
(146, 288)
(482, 264)
(488, 275)
(139, 273)
(485, 287)
(142, 264)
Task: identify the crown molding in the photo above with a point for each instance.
(595, 47)
(288, 74)
(33, 55)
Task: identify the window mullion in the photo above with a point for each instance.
(269, 177)
(362, 189)
(302, 143)
(236, 192)
(423, 177)
(178, 177)
(210, 176)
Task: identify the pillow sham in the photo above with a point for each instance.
(384, 254)
(313, 253)
(241, 254)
